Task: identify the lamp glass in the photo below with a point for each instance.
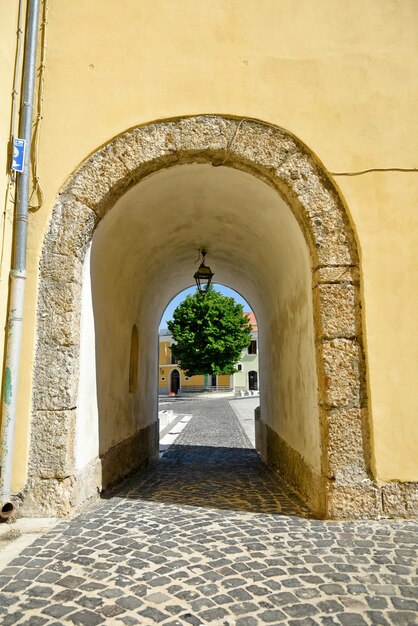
(203, 278)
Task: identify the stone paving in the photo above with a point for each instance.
(209, 535)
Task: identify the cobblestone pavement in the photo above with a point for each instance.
(211, 536)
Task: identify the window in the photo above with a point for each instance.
(252, 348)
(239, 367)
(173, 361)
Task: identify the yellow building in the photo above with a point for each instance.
(172, 379)
(278, 135)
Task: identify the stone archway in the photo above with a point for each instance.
(274, 156)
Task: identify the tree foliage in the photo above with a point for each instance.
(210, 333)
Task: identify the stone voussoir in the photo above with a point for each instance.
(93, 182)
(203, 132)
(266, 147)
(138, 146)
(63, 237)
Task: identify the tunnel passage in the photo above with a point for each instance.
(146, 247)
(129, 224)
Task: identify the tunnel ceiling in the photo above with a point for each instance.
(147, 245)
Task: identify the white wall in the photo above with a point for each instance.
(87, 425)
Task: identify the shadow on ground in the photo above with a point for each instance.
(213, 477)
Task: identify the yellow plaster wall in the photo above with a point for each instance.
(163, 383)
(194, 381)
(341, 76)
(385, 205)
(164, 352)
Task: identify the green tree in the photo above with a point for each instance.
(210, 333)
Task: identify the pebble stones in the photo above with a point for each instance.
(209, 535)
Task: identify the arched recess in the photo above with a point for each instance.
(342, 485)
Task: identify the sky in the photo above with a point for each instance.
(226, 291)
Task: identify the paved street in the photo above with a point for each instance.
(211, 536)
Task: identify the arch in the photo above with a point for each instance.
(280, 160)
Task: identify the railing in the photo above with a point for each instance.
(207, 388)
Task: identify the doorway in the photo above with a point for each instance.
(175, 381)
(252, 381)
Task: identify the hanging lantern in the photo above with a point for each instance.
(203, 276)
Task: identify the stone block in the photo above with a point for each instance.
(320, 211)
(359, 502)
(341, 359)
(70, 229)
(206, 132)
(58, 297)
(48, 497)
(338, 311)
(58, 267)
(56, 376)
(58, 327)
(95, 181)
(400, 499)
(264, 147)
(346, 464)
(53, 447)
(339, 274)
(142, 145)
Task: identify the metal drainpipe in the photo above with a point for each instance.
(18, 270)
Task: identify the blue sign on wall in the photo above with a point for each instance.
(18, 159)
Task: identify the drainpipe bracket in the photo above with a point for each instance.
(18, 274)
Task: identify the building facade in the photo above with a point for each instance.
(173, 380)
(247, 377)
(279, 136)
